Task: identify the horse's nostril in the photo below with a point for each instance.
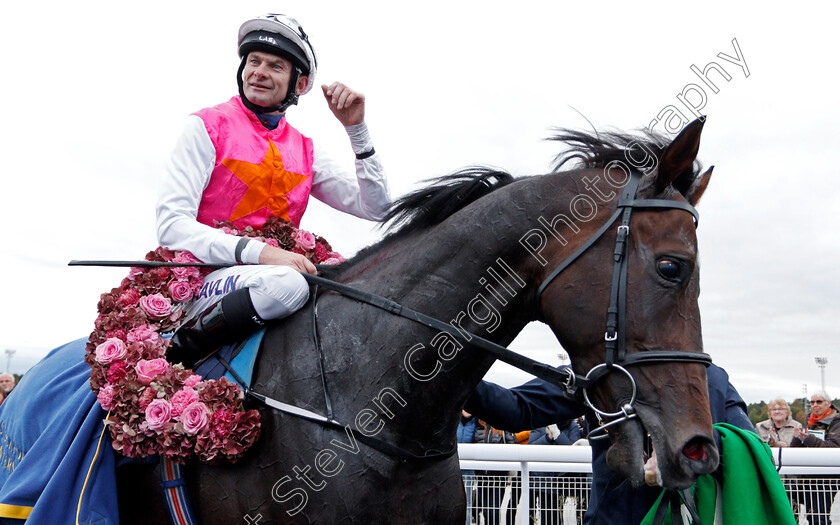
(696, 450)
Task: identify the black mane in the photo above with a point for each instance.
(596, 150)
(444, 196)
(432, 204)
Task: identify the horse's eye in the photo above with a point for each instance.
(669, 268)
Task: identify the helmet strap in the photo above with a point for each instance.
(291, 94)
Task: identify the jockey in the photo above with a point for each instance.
(241, 161)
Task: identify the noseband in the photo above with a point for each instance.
(616, 358)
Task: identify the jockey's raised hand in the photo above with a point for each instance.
(347, 104)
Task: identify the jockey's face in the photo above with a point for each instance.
(265, 78)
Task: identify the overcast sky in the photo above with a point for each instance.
(95, 94)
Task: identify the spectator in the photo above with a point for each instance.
(777, 431)
(7, 383)
(823, 424)
(612, 500)
(823, 431)
(496, 501)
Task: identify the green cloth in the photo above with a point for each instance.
(751, 490)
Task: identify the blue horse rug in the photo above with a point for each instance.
(58, 466)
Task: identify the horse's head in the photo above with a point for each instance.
(656, 299)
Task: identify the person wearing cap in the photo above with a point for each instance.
(241, 161)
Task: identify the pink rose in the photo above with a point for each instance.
(156, 306)
(109, 351)
(148, 369)
(106, 397)
(158, 413)
(134, 272)
(181, 291)
(186, 272)
(142, 334)
(185, 256)
(182, 399)
(195, 418)
(193, 380)
(304, 240)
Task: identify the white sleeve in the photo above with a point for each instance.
(184, 179)
(364, 194)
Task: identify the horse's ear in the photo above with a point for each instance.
(676, 164)
(699, 187)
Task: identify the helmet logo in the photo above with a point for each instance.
(268, 39)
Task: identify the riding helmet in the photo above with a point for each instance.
(283, 36)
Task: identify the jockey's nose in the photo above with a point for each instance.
(260, 72)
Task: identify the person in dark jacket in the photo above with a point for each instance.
(823, 431)
(612, 501)
(823, 424)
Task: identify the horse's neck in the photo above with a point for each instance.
(468, 280)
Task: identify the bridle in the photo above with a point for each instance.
(617, 358)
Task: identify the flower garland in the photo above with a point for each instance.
(162, 408)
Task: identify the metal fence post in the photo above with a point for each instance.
(523, 512)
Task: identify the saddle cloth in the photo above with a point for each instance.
(58, 466)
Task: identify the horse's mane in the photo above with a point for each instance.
(597, 149)
(432, 204)
(444, 196)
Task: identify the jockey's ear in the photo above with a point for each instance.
(302, 83)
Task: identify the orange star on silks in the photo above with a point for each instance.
(268, 183)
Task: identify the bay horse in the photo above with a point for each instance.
(475, 250)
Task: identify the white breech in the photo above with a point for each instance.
(276, 291)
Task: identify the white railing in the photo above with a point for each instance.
(503, 480)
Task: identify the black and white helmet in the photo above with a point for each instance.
(279, 35)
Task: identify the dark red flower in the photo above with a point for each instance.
(117, 371)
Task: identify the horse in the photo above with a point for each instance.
(479, 250)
